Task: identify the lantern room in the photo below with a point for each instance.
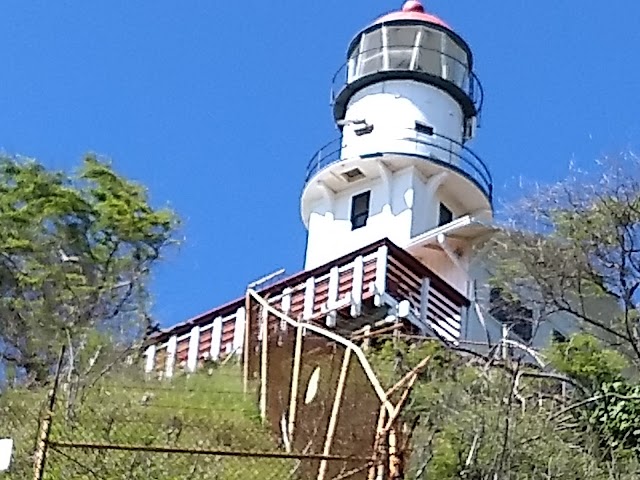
(411, 45)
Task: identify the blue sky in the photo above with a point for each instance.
(217, 107)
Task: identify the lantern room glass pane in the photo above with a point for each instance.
(401, 44)
(455, 63)
(370, 58)
(430, 55)
(403, 36)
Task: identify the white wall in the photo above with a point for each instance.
(477, 329)
(330, 235)
(409, 208)
(425, 215)
(393, 107)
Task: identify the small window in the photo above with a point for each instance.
(360, 210)
(445, 216)
(523, 328)
(424, 128)
(512, 312)
(558, 337)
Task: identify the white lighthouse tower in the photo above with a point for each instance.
(393, 206)
(406, 103)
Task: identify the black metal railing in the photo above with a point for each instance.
(440, 149)
(431, 62)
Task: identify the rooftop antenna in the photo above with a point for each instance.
(265, 279)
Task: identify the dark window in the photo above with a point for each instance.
(512, 312)
(360, 210)
(445, 216)
(523, 328)
(559, 337)
(423, 128)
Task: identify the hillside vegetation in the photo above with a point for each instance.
(207, 411)
(485, 419)
(472, 418)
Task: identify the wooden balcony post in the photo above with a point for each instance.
(216, 339)
(194, 348)
(172, 348)
(332, 300)
(238, 334)
(357, 287)
(309, 298)
(285, 307)
(264, 365)
(466, 311)
(424, 301)
(381, 274)
(150, 363)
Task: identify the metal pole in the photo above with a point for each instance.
(246, 353)
(45, 426)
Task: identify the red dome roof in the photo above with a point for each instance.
(412, 10)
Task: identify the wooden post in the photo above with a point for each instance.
(40, 457)
(357, 286)
(150, 363)
(367, 338)
(381, 274)
(309, 298)
(504, 346)
(264, 360)
(239, 335)
(333, 420)
(375, 470)
(246, 354)
(286, 307)
(424, 301)
(295, 381)
(216, 339)
(396, 468)
(332, 299)
(194, 350)
(172, 347)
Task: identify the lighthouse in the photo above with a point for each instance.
(394, 206)
(407, 105)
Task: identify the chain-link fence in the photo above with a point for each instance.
(320, 394)
(126, 426)
(304, 404)
(20, 414)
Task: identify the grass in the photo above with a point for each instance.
(206, 411)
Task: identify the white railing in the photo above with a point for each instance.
(381, 275)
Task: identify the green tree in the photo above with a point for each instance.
(573, 248)
(76, 252)
(609, 405)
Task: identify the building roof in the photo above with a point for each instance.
(413, 10)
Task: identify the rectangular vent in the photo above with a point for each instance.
(424, 128)
(353, 175)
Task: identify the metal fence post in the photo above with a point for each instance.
(40, 457)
